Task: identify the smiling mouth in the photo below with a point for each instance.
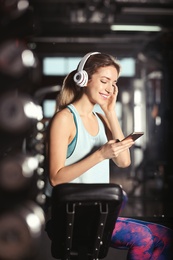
(104, 96)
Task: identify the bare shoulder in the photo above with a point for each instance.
(63, 118)
(64, 114)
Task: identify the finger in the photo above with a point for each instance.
(111, 141)
(127, 141)
(116, 90)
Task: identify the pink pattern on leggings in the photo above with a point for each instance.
(144, 240)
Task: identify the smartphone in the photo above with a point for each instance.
(134, 135)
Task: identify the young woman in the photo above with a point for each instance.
(81, 143)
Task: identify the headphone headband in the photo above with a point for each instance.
(84, 60)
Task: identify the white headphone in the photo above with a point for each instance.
(81, 76)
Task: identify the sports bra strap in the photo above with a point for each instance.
(72, 145)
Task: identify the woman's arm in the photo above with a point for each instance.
(123, 159)
(115, 134)
(114, 131)
(62, 132)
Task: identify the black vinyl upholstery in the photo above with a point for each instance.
(82, 219)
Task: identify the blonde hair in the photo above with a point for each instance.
(70, 92)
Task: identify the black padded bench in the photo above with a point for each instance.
(82, 220)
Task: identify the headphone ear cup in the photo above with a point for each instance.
(81, 78)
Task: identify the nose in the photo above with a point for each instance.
(109, 89)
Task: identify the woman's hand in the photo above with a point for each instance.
(113, 148)
(111, 102)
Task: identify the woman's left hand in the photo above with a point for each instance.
(111, 102)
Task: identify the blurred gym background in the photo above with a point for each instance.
(40, 42)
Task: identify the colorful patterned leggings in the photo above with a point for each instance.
(144, 240)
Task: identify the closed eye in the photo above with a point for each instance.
(104, 82)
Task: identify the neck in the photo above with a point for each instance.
(84, 107)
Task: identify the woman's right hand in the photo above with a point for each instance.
(113, 148)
